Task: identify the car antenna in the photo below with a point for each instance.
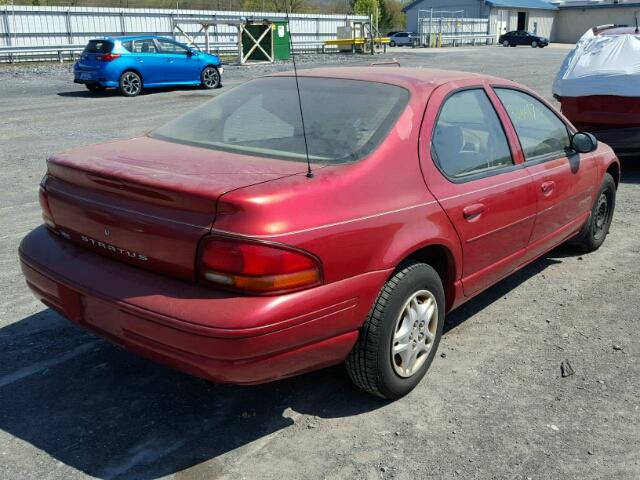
(636, 23)
(295, 73)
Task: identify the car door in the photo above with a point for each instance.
(180, 66)
(147, 60)
(470, 167)
(563, 180)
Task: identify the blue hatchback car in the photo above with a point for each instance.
(133, 63)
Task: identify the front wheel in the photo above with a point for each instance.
(210, 78)
(392, 43)
(130, 84)
(592, 235)
(400, 337)
(534, 44)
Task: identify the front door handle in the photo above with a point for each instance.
(473, 212)
(547, 188)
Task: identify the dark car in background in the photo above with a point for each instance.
(522, 37)
(133, 63)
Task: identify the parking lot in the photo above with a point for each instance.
(494, 404)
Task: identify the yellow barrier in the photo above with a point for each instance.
(356, 41)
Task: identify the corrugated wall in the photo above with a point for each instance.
(37, 26)
(503, 20)
(573, 22)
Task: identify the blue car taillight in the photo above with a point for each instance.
(107, 57)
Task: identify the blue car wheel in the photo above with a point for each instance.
(210, 77)
(130, 84)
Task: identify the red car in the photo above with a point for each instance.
(603, 96)
(207, 246)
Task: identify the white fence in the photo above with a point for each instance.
(22, 26)
(452, 30)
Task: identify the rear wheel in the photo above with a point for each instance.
(595, 231)
(130, 84)
(398, 341)
(392, 43)
(94, 88)
(210, 77)
(505, 43)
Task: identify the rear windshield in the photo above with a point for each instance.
(99, 46)
(344, 119)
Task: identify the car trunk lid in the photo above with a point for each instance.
(93, 52)
(148, 202)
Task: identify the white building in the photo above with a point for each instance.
(558, 20)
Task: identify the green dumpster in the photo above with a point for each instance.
(256, 42)
(281, 41)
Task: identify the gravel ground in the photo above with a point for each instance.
(494, 404)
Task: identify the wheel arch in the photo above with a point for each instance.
(442, 259)
(134, 70)
(614, 170)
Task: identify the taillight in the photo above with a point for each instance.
(107, 57)
(256, 267)
(47, 216)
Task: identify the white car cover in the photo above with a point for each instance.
(601, 65)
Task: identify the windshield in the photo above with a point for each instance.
(344, 119)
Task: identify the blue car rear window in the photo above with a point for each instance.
(99, 46)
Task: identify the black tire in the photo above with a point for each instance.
(594, 232)
(210, 78)
(370, 364)
(534, 44)
(505, 43)
(392, 43)
(513, 45)
(94, 88)
(130, 84)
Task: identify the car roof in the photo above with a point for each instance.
(411, 78)
(124, 38)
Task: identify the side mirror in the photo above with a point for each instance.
(189, 53)
(583, 142)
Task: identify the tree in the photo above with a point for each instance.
(370, 8)
(391, 15)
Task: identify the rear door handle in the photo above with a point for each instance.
(472, 212)
(547, 187)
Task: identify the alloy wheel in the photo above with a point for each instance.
(210, 77)
(414, 333)
(131, 83)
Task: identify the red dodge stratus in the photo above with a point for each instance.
(206, 245)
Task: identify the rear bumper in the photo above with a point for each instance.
(103, 82)
(201, 331)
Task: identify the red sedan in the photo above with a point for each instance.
(207, 245)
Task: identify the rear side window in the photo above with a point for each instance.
(542, 135)
(144, 46)
(99, 46)
(128, 46)
(468, 138)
